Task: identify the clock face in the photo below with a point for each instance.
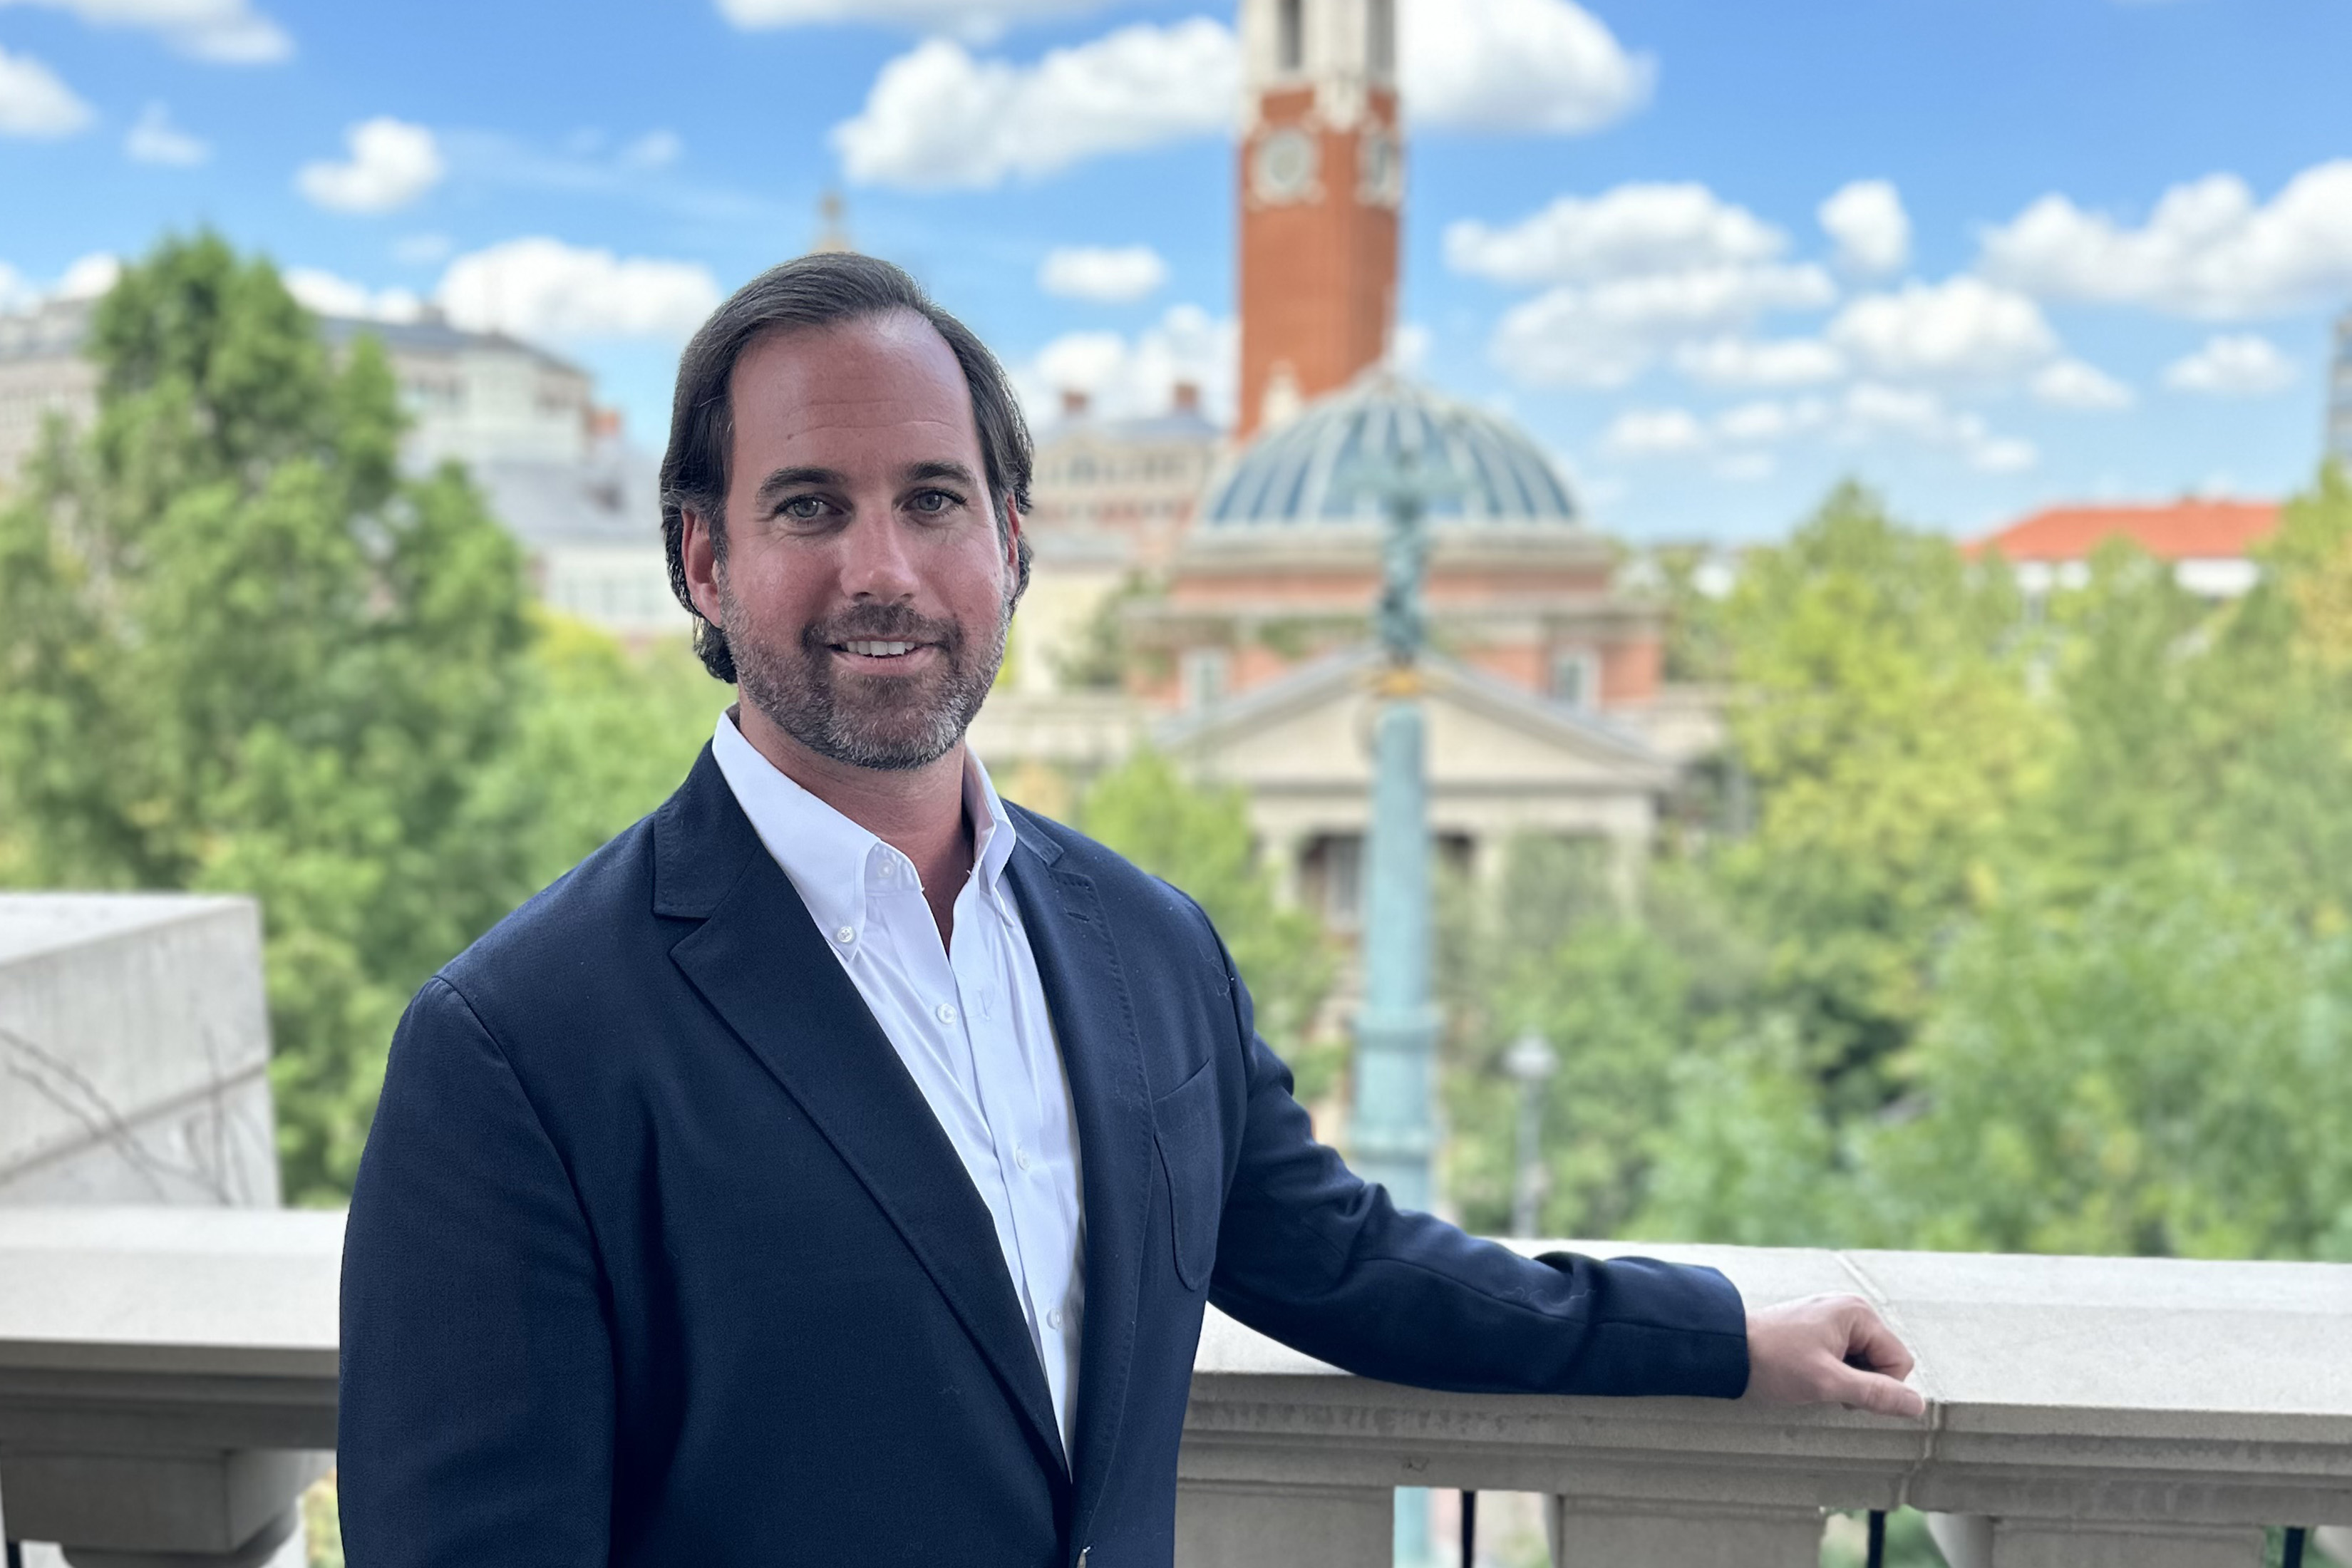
(1283, 166)
(1380, 169)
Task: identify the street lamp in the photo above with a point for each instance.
(1530, 1062)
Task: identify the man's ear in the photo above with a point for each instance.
(698, 553)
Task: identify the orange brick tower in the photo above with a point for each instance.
(1322, 177)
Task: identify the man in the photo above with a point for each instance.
(834, 1168)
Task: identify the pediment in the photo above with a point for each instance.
(1313, 729)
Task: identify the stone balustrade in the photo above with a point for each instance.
(167, 1387)
(2083, 1413)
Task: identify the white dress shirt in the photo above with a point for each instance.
(968, 1019)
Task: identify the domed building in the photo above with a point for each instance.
(1260, 649)
(1283, 560)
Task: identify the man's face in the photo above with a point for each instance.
(865, 589)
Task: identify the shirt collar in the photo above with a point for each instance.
(829, 856)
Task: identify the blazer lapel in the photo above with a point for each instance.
(758, 959)
(1094, 1023)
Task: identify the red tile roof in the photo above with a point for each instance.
(2186, 530)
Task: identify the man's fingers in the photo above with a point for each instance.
(1879, 1394)
(1871, 1344)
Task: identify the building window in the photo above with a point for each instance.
(1205, 670)
(1290, 26)
(1575, 679)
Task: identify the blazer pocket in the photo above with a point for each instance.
(1191, 1159)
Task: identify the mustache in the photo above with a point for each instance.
(880, 623)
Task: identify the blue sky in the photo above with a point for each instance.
(1702, 355)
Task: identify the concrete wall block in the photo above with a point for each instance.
(198, 1502)
(1690, 1536)
(135, 1035)
(1238, 1524)
(2067, 1543)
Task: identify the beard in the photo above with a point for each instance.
(887, 721)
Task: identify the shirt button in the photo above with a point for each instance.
(889, 869)
(1054, 1318)
(1021, 1157)
(845, 934)
(947, 1013)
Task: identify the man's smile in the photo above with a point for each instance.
(875, 653)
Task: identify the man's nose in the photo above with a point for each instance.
(876, 561)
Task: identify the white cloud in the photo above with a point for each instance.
(226, 32)
(1517, 65)
(393, 163)
(938, 118)
(1654, 433)
(89, 277)
(1109, 274)
(422, 250)
(1749, 362)
(1124, 376)
(2209, 250)
(33, 103)
(331, 296)
(1629, 230)
(1739, 442)
(85, 279)
(1605, 335)
(1871, 230)
(2232, 365)
(1963, 329)
(1409, 349)
(969, 19)
(541, 288)
(1871, 410)
(2072, 384)
(654, 150)
(154, 138)
(1772, 420)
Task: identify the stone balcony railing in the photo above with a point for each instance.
(167, 1385)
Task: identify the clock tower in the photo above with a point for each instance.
(1322, 177)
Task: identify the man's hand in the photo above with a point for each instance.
(1828, 1350)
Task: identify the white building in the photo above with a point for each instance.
(525, 422)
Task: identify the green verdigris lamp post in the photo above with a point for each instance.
(1393, 1134)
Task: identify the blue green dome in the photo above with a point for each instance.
(1315, 471)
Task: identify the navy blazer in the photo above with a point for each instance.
(657, 1255)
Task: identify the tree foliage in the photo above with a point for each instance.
(1199, 840)
(2037, 938)
(240, 652)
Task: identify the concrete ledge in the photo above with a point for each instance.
(2078, 1404)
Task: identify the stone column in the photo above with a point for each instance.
(1283, 853)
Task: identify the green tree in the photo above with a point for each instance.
(1554, 947)
(1199, 840)
(605, 735)
(241, 653)
(2147, 1071)
(1885, 723)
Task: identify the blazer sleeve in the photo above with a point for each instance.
(478, 1397)
(1314, 1255)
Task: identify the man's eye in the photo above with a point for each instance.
(802, 509)
(937, 500)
